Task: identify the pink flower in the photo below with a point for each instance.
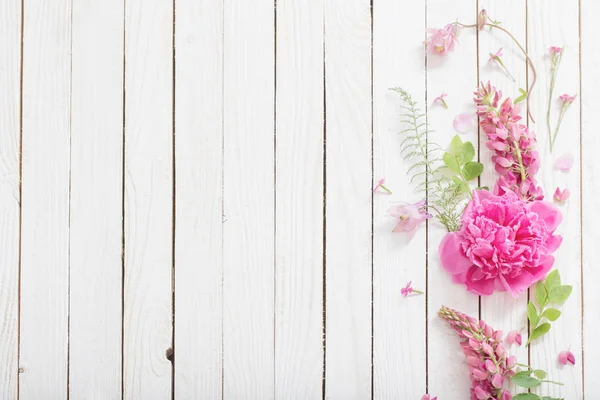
(442, 41)
(560, 196)
(464, 123)
(566, 357)
(405, 291)
(514, 337)
(441, 100)
(428, 397)
(564, 163)
(380, 185)
(409, 216)
(496, 55)
(555, 50)
(504, 243)
(567, 99)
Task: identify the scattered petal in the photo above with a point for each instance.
(464, 123)
(560, 196)
(442, 41)
(495, 55)
(441, 100)
(380, 184)
(564, 163)
(407, 290)
(566, 357)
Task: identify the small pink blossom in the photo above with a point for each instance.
(566, 98)
(464, 123)
(555, 50)
(407, 290)
(496, 55)
(514, 337)
(409, 216)
(441, 100)
(442, 41)
(380, 185)
(560, 196)
(564, 163)
(566, 357)
(428, 397)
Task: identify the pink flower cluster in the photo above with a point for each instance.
(442, 41)
(487, 357)
(504, 243)
(515, 157)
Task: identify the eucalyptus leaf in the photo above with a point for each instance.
(456, 145)
(450, 162)
(553, 280)
(560, 294)
(472, 170)
(532, 314)
(551, 313)
(539, 331)
(541, 294)
(466, 153)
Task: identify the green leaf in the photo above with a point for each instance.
(550, 398)
(450, 162)
(532, 314)
(551, 313)
(472, 170)
(539, 331)
(523, 374)
(526, 396)
(541, 294)
(466, 153)
(560, 294)
(525, 381)
(553, 280)
(456, 145)
(461, 184)
(540, 374)
(522, 97)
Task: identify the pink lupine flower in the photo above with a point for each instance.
(428, 397)
(504, 243)
(442, 41)
(566, 98)
(515, 157)
(380, 185)
(560, 196)
(566, 357)
(441, 100)
(464, 123)
(555, 50)
(405, 291)
(514, 337)
(488, 362)
(409, 216)
(564, 163)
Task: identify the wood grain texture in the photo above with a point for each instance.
(148, 199)
(399, 343)
(590, 87)
(555, 23)
(10, 142)
(249, 173)
(45, 200)
(96, 200)
(456, 75)
(348, 199)
(198, 235)
(501, 310)
(299, 200)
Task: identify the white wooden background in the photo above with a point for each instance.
(186, 207)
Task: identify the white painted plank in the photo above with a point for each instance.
(96, 200)
(299, 199)
(590, 87)
(45, 200)
(248, 233)
(198, 236)
(348, 199)
(148, 199)
(555, 23)
(10, 66)
(501, 310)
(456, 75)
(399, 344)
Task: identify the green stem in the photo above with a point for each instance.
(417, 291)
(555, 64)
(520, 158)
(556, 383)
(386, 189)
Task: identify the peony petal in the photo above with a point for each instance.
(482, 287)
(453, 259)
(464, 123)
(542, 270)
(564, 163)
(518, 284)
(548, 212)
(553, 243)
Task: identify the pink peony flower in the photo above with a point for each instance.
(442, 41)
(564, 163)
(428, 397)
(567, 99)
(441, 100)
(504, 243)
(560, 196)
(514, 337)
(566, 357)
(464, 123)
(409, 216)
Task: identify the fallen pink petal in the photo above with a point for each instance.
(495, 55)
(564, 163)
(464, 123)
(560, 196)
(566, 357)
(440, 99)
(428, 397)
(381, 185)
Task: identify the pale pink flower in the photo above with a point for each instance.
(567, 99)
(464, 123)
(555, 50)
(566, 357)
(504, 243)
(442, 41)
(380, 185)
(514, 337)
(560, 196)
(496, 55)
(428, 397)
(441, 100)
(409, 216)
(564, 163)
(407, 290)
